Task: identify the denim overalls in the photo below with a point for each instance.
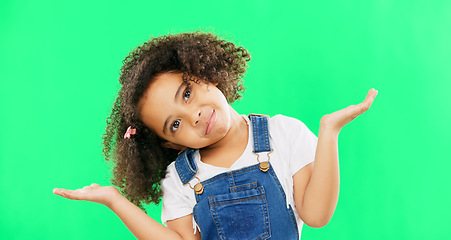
(248, 203)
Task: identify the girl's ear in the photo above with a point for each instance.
(173, 146)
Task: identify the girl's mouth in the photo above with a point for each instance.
(211, 122)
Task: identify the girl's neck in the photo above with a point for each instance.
(226, 151)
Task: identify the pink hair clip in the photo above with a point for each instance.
(130, 131)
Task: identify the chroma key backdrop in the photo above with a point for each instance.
(60, 61)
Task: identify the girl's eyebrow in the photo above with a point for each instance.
(179, 90)
(165, 126)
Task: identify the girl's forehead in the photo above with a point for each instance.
(166, 79)
(162, 83)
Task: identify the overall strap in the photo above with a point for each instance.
(186, 166)
(260, 132)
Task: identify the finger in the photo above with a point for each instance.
(59, 191)
(372, 93)
(366, 104)
(75, 195)
(95, 185)
(65, 193)
(355, 110)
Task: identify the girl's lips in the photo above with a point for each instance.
(211, 122)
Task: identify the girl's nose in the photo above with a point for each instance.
(192, 114)
(196, 117)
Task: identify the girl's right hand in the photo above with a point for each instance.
(93, 193)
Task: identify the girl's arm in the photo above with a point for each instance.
(316, 186)
(137, 221)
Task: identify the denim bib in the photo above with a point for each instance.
(248, 203)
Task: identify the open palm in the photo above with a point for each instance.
(337, 120)
(93, 193)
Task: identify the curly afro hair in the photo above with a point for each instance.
(140, 162)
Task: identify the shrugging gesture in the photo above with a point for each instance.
(316, 186)
(175, 94)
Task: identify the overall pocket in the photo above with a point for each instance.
(241, 215)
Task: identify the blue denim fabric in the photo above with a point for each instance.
(261, 133)
(186, 166)
(243, 204)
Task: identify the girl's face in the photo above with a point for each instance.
(192, 115)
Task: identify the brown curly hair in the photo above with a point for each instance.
(140, 162)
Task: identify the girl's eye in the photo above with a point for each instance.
(187, 93)
(175, 125)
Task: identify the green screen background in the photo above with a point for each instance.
(60, 64)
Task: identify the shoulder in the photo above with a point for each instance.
(279, 118)
(171, 177)
(286, 125)
(291, 133)
(294, 140)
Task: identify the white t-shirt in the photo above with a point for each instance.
(294, 147)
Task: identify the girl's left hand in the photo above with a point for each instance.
(337, 120)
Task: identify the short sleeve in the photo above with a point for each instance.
(176, 202)
(299, 142)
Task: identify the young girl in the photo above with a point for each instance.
(173, 134)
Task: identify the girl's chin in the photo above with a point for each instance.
(212, 142)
